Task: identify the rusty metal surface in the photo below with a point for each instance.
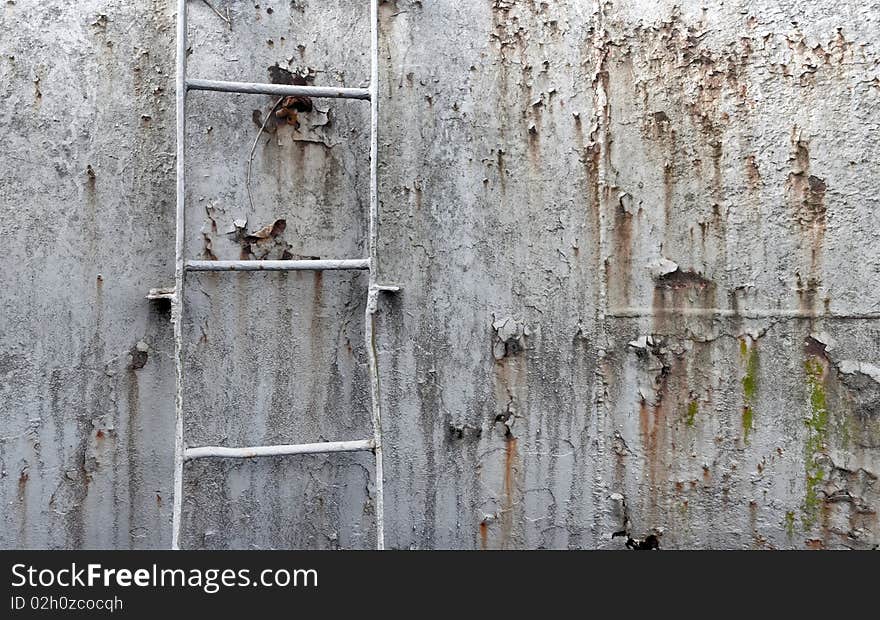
(636, 244)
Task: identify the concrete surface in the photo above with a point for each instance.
(637, 246)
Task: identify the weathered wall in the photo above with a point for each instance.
(635, 240)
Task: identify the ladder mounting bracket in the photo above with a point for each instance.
(161, 293)
(388, 288)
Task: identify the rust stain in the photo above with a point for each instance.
(499, 161)
(208, 247)
(668, 189)
(682, 289)
(484, 535)
(657, 126)
(23, 478)
(758, 540)
(806, 197)
(318, 295)
(708, 79)
(644, 419)
(417, 191)
(717, 156)
(510, 381)
(317, 305)
(684, 279)
(589, 157)
(505, 35)
(620, 453)
(315, 319)
(510, 458)
(315, 348)
(91, 225)
(815, 544)
(753, 173)
(510, 376)
(656, 438)
(208, 239)
(592, 154)
(807, 292)
(621, 264)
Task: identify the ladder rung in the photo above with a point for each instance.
(208, 452)
(278, 265)
(280, 90)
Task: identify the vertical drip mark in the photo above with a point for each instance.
(600, 139)
(749, 355)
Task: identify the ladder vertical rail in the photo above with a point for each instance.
(373, 291)
(179, 272)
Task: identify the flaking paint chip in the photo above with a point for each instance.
(851, 367)
(641, 342)
(824, 338)
(662, 266)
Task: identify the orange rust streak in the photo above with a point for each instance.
(22, 482)
(644, 418)
(509, 458)
(510, 455)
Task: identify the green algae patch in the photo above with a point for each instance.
(748, 421)
(692, 410)
(789, 524)
(749, 385)
(817, 439)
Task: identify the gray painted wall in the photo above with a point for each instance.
(637, 246)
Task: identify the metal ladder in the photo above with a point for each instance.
(183, 453)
